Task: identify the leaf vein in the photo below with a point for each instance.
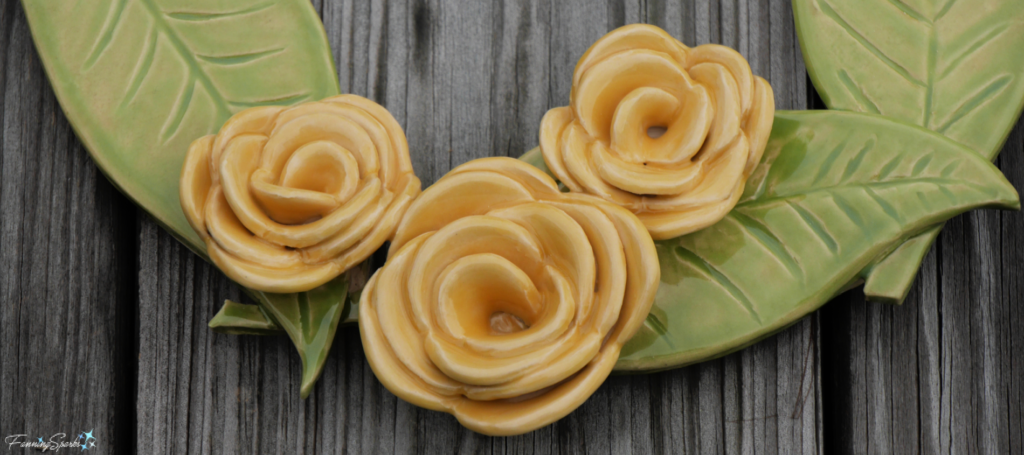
(830, 189)
(723, 281)
(830, 160)
(851, 213)
(978, 43)
(201, 16)
(763, 235)
(195, 69)
(889, 167)
(857, 92)
(283, 100)
(868, 45)
(143, 68)
(238, 59)
(909, 11)
(107, 35)
(977, 100)
(885, 205)
(945, 9)
(180, 109)
(815, 225)
(854, 165)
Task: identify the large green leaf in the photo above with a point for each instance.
(835, 192)
(140, 79)
(953, 66)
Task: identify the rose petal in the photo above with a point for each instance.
(626, 38)
(646, 179)
(452, 198)
(384, 362)
(737, 65)
(271, 279)
(726, 125)
(552, 126)
(758, 126)
(234, 238)
(604, 85)
(195, 183)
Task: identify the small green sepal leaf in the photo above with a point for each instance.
(310, 319)
(240, 319)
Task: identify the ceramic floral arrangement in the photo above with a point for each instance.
(669, 215)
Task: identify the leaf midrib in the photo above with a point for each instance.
(196, 69)
(865, 185)
(932, 57)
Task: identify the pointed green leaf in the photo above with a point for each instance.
(835, 192)
(141, 79)
(239, 319)
(310, 319)
(953, 66)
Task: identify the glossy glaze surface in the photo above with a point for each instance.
(287, 199)
(835, 192)
(141, 80)
(954, 67)
(669, 132)
(503, 301)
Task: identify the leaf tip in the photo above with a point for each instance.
(1007, 197)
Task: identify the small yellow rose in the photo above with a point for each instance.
(505, 302)
(637, 82)
(287, 199)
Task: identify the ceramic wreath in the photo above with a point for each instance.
(505, 301)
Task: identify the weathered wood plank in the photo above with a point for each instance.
(66, 267)
(468, 80)
(942, 372)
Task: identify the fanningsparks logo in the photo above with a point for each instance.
(83, 441)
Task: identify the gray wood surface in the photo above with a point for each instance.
(103, 315)
(944, 372)
(67, 265)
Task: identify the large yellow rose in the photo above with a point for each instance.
(286, 199)
(637, 82)
(505, 302)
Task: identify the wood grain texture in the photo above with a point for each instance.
(942, 373)
(67, 266)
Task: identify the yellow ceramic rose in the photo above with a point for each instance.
(287, 199)
(505, 302)
(670, 133)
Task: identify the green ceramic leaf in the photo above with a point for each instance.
(834, 192)
(140, 79)
(240, 319)
(309, 324)
(310, 319)
(952, 66)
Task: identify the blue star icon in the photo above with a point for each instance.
(40, 439)
(88, 444)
